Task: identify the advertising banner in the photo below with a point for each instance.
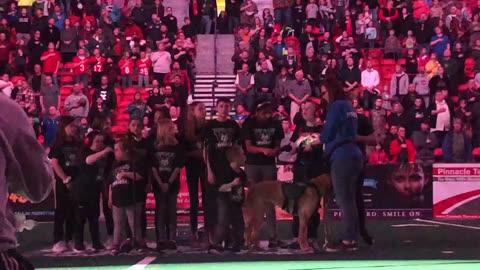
(396, 191)
(43, 211)
(456, 191)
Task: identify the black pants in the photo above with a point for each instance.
(229, 219)
(159, 77)
(165, 216)
(87, 211)
(196, 173)
(143, 223)
(300, 174)
(64, 214)
(107, 212)
(12, 260)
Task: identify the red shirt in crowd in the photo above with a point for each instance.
(133, 31)
(98, 64)
(396, 148)
(378, 157)
(82, 68)
(5, 48)
(126, 66)
(144, 66)
(50, 64)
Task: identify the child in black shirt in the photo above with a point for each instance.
(229, 203)
(126, 194)
(169, 158)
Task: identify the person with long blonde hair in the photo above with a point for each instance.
(195, 165)
(169, 158)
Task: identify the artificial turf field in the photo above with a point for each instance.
(399, 244)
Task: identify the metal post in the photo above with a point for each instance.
(215, 83)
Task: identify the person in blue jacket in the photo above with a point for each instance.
(346, 159)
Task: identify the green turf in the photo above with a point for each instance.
(306, 265)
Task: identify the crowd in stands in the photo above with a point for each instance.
(77, 67)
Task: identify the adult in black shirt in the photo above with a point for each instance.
(232, 7)
(351, 77)
(35, 49)
(408, 100)
(39, 22)
(87, 189)
(107, 93)
(170, 21)
(264, 83)
(262, 135)
(417, 114)
(155, 101)
(66, 163)
(140, 15)
(180, 92)
(51, 33)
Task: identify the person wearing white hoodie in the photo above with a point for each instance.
(24, 170)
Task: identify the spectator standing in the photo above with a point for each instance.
(425, 143)
(370, 81)
(378, 117)
(107, 93)
(49, 95)
(161, 61)
(264, 84)
(421, 82)
(351, 77)
(76, 104)
(208, 9)
(399, 83)
(402, 149)
(170, 21)
(439, 42)
(80, 63)
(137, 109)
(244, 83)
(299, 91)
(441, 114)
(248, 11)
(233, 13)
(68, 41)
(51, 62)
(457, 145)
(378, 156)
(282, 11)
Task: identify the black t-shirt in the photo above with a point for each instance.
(219, 137)
(312, 158)
(166, 159)
(155, 100)
(266, 134)
(89, 176)
(124, 191)
(68, 155)
(237, 194)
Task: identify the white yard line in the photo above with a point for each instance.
(142, 264)
(413, 225)
(448, 224)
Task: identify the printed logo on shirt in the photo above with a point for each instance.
(118, 180)
(103, 95)
(165, 161)
(351, 115)
(263, 136)
(70, 155)
(224, 137)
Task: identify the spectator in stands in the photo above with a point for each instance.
(421, 82)
(457, 145)
(388, 16)
(399, 84)
(402, 149)
(68, 44)
(35, 48)
(378, 116)
(432, 65)
(51, 62)
(161, 61)
(392, 46)
(76, 104)
(24, 95)
(248, 11)
(441, 115)
(472, 95)
(351, 78)
(408, 101)
(6, 86)
(264, 84)
(107, 93)
(49, 126)
(244, 83)
(49, 95)
(425, 143)
(439, 42)
(299, 91)
(440, 82)
(370, 81)
(450, 67)
(311, 69)
(137, 109)
(398, 117)
(378, 156)
(81, 67)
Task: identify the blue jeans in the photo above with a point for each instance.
(282, 16)
(207, 24)
(345, 173)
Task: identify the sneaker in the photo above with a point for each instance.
(69, 245)
(98, 246)
(79, 248)
(171, 245)
(59, 247)
(109, 243)
(341, 246)
(126, 246)
(276, 244)
(215, 250)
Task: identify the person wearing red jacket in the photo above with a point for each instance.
(378, 156)
(80, 64)
(126, 64)
(402, 149)
(420, 7)
(133, 32)
(144, 65)
(98, 67)
(51, 62)
(388, 16)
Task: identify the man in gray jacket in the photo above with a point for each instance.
(24, 170)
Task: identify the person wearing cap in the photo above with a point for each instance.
(263, 136)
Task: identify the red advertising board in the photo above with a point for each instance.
(456, 191)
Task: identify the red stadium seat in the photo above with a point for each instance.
(402, 61)
(438, 152)
(454, 99)
(130, 91)
(388, 62)
(463, 87)
(375, 54)
(15, 79)
(476, 151)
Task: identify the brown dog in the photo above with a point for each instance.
(262, 194)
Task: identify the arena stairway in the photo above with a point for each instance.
(204, 85)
